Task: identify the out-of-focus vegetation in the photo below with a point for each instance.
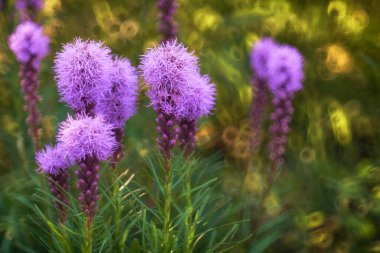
(327, 197)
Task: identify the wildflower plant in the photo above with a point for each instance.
(166, 24)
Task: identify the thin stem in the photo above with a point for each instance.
(167, 210)
(190, 226)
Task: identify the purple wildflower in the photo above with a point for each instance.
(260, 56)
(167, 26)
(87, 136)
(54, 162)
(167, 70)
(197, 101)
(30, 45)
(89, 141)
(285, 79)
(29, 8)
(285, 73)
(119, 103)
(83, 74)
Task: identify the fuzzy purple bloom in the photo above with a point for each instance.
(52, 160)
(83, 72)
(119, 103)
(197, 100)
(260, 56)
(285, 74)
(29, 43)
(87, 136)
(167, 26)
(166, 70)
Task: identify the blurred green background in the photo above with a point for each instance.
(327, 197)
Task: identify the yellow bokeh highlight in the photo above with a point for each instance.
(206, 19)
(340, 124)
(314, 219)
(51, 6)
(321, 238)
(376, 192)
(338, 9)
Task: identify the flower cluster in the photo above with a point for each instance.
(178, 92)
(102, 91)
(277, 68)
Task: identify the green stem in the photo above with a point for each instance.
(88, 242)
(190, 228)
(167, 208)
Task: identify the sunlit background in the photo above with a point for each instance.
(327, 197)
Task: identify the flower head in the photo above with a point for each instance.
(119, 104)
(260, 56)
(35, 5)
(285, 71)
(198, 100)
(29, 42)
(166, 70)
(87, 136)
(83, 73)
(52, 160)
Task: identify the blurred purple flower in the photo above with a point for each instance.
(29, 4)
(28, 9)
(285, 79)
(83, 72)
(260, 55)
(285, 74)
(166, 24)
(119, 103)
(87, 136)
(29, 43)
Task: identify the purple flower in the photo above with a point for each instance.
(52, 160)
(166, 70)
(29, 43)
(167, 26)
(35, 5)
(285, 74)
(87, 136)
(260, 56)
(197, 100)
(83, 73)
(119, 103)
